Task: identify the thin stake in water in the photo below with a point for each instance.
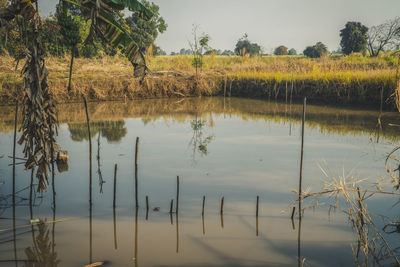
(171, 206)
(202, 210)
(222, 206)
(302, 155)
(136, 171)
(115, 184)
(177, 194)
(90, 150)
(147, 208)
(258, 202)
(13, 185)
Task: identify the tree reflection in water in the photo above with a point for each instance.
(113, 131)
(199, 140)
(41, 252)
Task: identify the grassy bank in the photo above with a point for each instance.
(347, 80)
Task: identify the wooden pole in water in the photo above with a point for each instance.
(147, 208)
(115, 183)
(177, 194)
(136, 171)
(302, 154)
(222, 206)
(171, 206)
(136, 237)
(115, 229)
(13, 183)
(202, 210)
(258, 201)
(114, 204)
(87, 119)
(14, 144)
(226, 78)
(257, 226)
(90, 150)
(293, 210)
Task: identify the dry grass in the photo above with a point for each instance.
(335, 79)
(372, 245)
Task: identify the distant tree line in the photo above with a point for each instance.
(355, 38)
(67, 32)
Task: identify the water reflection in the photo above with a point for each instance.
(252, 156)
(199, 141)
(42, 252)
(108, 115)
(113, 131)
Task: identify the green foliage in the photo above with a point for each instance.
(281, 50)
(145, 31)
(69, 28)
(198, 45)
(315, 51)
(245, 47)
(51, 37)
(292, 52)
(354, 38)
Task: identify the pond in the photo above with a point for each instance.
(235, 149)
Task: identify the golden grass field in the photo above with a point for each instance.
(352, 79)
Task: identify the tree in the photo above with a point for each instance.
(292, 52)
(198, 45)
(245, 47)
(39, 115)
(70, 33)
(158, 51)
(386, 35)
(354, 38)
(145, 32)
(281, 50)
(315, 51)
(51, 36)
(227, 53)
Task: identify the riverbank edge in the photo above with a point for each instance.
(346, 90)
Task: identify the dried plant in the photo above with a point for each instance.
(371, 243)
(39, 115)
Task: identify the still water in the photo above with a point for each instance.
(234, 148)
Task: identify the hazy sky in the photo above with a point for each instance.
(270, 23)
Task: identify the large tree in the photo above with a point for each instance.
(354, 37)
(245, 47)
(386, 35)
(315, 51)
(281, 50)
(144, 32)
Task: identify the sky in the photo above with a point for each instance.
(270, 23)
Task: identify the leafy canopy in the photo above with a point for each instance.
(245, 47)
(354, 37)
(281, 50)
(145, 31)
(315, 51)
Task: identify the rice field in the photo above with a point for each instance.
(352, 79)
